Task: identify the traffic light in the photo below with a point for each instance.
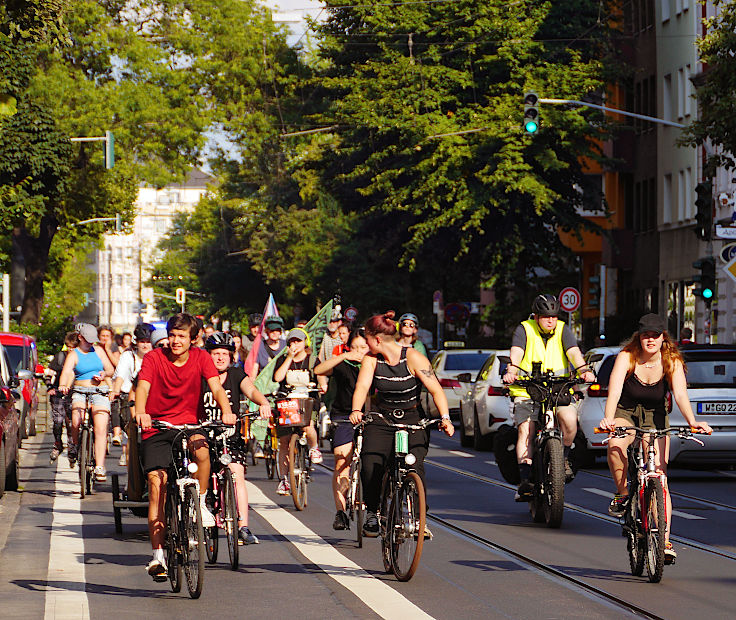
(118, 223)
(109, 150)
(531, 112)
(594, 291)
(180, 295)
(706, 279)
(704, 210)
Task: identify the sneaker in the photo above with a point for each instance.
(117, 441)
(569, 472)
(55, 452)
(207, 519)
(100, 474)
(670, 555)
(315, 456)
(247, 537)
(370, 527)
(123, 460)
(259, 452)
(428, 533)
(71, 453)
(342, 521)
(157, 570)
(524, 492)
(616, 508)
(283, 488)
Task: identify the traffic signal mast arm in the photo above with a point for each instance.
(644, 117)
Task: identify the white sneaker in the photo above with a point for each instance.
(315, 456)
(123, 459)
(207, 519)
(157, 570)
(100, 474)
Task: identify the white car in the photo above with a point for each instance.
(448, 364)
(485, 405)
(711, 387)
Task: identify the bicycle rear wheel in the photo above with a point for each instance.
(298, 471)
(406, 527)
(230, 511)
(553, 482)
(173, 540)
(634, 536)
(211, 543)
(384, 516)
(269, 455)
(193, 542)
(359, 509)
(654, 528)
(83, 460)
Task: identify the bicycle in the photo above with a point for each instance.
(644, 521)
(185, 547)
(225, 506)
(402, 513)
(548, 391)
(295, 412)
(354, 498)
(86, 443)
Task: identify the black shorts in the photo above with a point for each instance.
(156, 450)
(342, 434)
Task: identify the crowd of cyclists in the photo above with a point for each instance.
(188, 372)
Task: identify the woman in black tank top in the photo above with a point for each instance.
(645, 370)
(396, 373)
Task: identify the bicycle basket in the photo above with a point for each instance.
(294, 411)
(563, 397)
(536, 392)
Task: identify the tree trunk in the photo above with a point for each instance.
(36, 255)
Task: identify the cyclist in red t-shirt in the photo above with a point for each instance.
(170, 388)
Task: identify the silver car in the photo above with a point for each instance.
(711, 387)
(485, 405)
(448, 365)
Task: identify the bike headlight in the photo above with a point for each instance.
(192, 467)
(410, 459)
(226, 459)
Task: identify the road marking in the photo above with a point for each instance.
(458, 453)
(675, 513)
(66, 551)
(491, 463)
(378, 596)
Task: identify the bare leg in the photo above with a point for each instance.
(311, 436)
(156, 499)
(284, 455)
(340, 477)
(241, 493)
(100, 418)
(523, 449)
(618, 459)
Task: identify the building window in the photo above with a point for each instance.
(678, 7)
(118, 279)
(665, 4)
(118, 253)
(667, 199)
(161, 224)
(680, 195)
(667, 97)
(688, 92)
(689, 198)
(118, 308)
(680, 93)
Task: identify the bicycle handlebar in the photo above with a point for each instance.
(682, 433)
(164, 425)
(422, 425)
(96, 389)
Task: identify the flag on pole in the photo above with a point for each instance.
(250, 360)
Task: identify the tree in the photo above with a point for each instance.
(715, 90)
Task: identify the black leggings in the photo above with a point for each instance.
(378, 450)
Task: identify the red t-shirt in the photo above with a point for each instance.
(176, 391)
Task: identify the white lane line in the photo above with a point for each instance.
(379, 597)
(491, 463)
(68, 600)
(465, 455)
(675, 513)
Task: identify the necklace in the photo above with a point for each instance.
(651, 364)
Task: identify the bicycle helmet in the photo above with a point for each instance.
(255, 319)
(408, 316)
(220, 340)
(546, 305)
(143, 331)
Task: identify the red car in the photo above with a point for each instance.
(10, 429)
(21, 350)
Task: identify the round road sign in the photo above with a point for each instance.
(569, 299)
(351, 313)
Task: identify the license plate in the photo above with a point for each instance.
(717, 408)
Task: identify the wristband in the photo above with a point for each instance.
(445, 417)
(357, 411)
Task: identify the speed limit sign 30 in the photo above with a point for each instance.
(569, 299)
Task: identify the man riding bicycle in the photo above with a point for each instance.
(542, 338)
(170, 388)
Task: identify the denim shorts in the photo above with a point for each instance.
(99, 401)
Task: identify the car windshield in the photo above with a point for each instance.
(465, 361)
(15, 353)
(711, 370)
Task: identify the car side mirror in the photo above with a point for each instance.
(39, 371)
(596, 357)
(24, 375)
(504, 359)
(465, 377)
(5, 395)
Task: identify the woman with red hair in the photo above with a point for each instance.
(397, 373)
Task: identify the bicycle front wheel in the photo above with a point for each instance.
(298, 471)
(173, 540)
(194, 552)
(634, 536)
(384, 518)
(269, 455)
(83, 459)
(553, 498)
(406, 527)
(211, 543)
(359, 510)
(654, 529)
(230, 511)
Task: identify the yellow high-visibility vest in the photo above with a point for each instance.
(552, 355)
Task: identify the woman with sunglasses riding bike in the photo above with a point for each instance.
(235, 382)
(397, 373)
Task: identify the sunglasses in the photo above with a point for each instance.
(408, 324)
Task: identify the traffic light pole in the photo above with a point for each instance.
(643, 117)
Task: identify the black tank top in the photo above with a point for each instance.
(396, 387)
(648, 395)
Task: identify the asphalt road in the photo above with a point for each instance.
(60, 557)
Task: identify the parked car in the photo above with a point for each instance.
(711, 387)
(485, 404)
(23, 355)
(9, 428)
(448, 364)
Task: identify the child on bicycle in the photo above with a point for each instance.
(235, 382)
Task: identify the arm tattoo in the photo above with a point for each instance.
(427, 373)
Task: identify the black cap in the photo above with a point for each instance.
(651, 323)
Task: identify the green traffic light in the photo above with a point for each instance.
(707, 293)
(531, 127)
